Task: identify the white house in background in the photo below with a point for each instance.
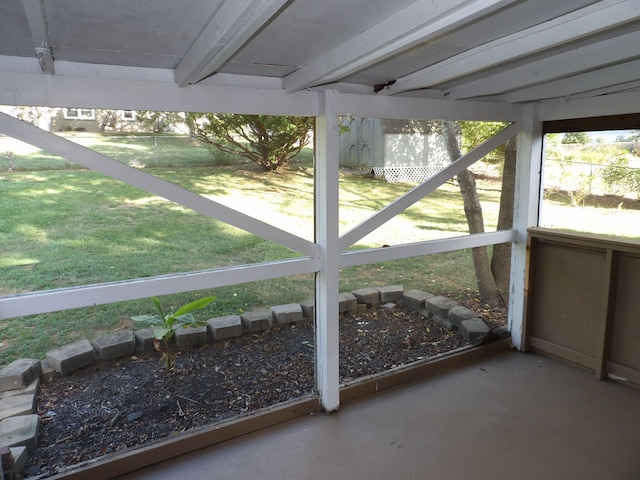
(97, 121)
(73, 119)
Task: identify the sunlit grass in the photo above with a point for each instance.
(65, 228)
(70, 227)
(599, 215)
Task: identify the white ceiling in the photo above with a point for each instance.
(508, 51)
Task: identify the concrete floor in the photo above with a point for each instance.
(510, 416)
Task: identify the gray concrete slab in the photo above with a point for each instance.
(509, 416)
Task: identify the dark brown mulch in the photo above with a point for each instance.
(110, 407)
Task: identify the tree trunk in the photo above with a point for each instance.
(501, 258)
(473, 210)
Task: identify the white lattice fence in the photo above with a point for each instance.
(406, 174)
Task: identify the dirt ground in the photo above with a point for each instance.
(110, 407)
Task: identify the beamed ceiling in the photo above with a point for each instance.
(509, 51)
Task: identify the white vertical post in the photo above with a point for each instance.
(327, 279)
(525, 215)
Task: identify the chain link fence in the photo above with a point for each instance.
(581, 179)
(138, 151)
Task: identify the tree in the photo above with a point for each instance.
(267, 140)
(576, 137)
(473, 210)
(493, 276)
(501, 256)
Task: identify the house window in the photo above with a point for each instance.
(79, 114)
(128, 115)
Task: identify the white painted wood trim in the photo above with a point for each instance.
(561, 66)
(590, 84)
(613, 104)
(407, 28)
(422, 190)
(396, 252)
(603, 15)
(526, 209)
(138, 178)
(129, 88)
(36, 17)
(235, 22)
(327, 278)
(91, 295)
(378, 106)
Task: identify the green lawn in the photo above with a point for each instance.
(603, 215)
(64, 227)
(68, 227)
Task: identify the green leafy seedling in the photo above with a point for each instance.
(168, 323)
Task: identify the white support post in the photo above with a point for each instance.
(327, 279)
(526, 208)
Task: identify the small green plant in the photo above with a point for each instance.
(181, 318)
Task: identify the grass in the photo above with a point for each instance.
(70, 227)
(600, 214)
(135, 149)
(65, 227)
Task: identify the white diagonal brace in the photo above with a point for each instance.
(38, 25)
(419, 192)
(235, 22)
(595, 18)
(418, 23)
(133, 176)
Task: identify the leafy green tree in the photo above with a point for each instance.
(475, 133)
(616, 174)
(576, 137)
(267, 140)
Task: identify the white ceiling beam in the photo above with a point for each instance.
(133, 88)
(415, 24)
(601, 82)
(627, 87)
(566, 108)
(595, 18)
(38, 25)
(556, 67)
(233, 24)
(399, 106)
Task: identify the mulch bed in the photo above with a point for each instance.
(112, 406)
